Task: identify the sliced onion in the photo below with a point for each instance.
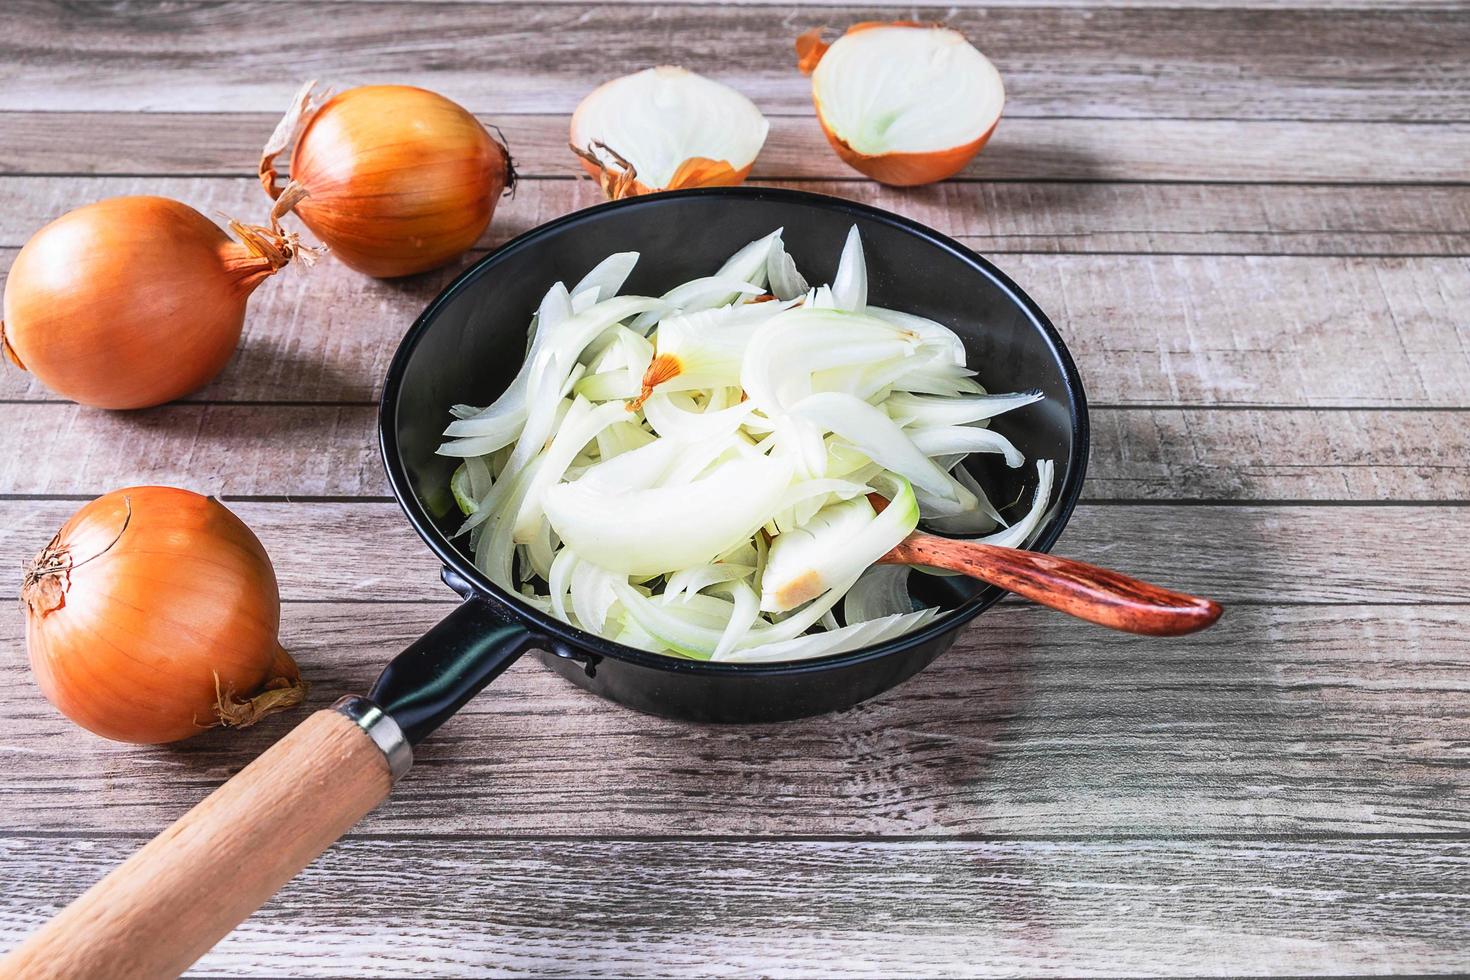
(880, 438)
(581, 426)
(882, 590)
(911, 409)
(836, 546)
(666, 128)
(788, 349)
(850, 284)
(982, 519)
(592, 595)
(671, 421)
(930, 332)
(705, 349)
(635, 469)
(1019, 533)
(745, 608)
(938, 440)
(782, 277)
(663, 529)
(607, 277)
(701, 577)
(668, 488)
(832, 641)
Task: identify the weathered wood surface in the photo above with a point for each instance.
(804, 908)
(1178, 330)
(1137, 454)
(1399, 65)
(227, 144)
(1250, 222)
(1283, 719)
(1068, 217)
(365, 550)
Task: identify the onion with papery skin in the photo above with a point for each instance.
(152, 615)
(903, 103)
(664, 129)
(133, 301)
(393, 179)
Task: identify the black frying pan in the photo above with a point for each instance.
(470, 341)
(157, 913)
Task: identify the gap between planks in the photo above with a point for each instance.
(183, 144)
(1171, 455)
(1403, 64)
(1180, 331)
(1281, 721)
(1063, 218)
(680, 909)
(1401, 554)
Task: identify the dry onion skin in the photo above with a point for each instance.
(901, 102)
(152, 615)
(134, 301)
(666, 129)
(393, 179)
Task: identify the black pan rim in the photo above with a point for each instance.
(557, 631)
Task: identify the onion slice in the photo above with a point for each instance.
(664, 529)
(666, 128)
(836, 545)
(903, 103)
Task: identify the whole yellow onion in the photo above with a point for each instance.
(393, 179)
(153, 615)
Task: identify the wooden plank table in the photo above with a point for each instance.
(1251, 221)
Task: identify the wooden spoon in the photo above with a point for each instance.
(1076, 588)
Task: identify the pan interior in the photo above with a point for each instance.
(469, 344)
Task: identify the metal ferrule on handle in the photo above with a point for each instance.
(382, 729)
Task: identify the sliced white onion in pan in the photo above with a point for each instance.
(664, 529)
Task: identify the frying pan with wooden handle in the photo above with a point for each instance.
(172, 900)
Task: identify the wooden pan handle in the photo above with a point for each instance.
(1098, 595)
(165, 906)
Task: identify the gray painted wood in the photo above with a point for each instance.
(1185, 330)
(1137, 453)
(1283, 795)
(1023, 148)
(1283, 720)
(1000, 218)
(1400, 65)
(1248, 552)
(477, 908)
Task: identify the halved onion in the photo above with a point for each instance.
(664, 129)
(903, 103)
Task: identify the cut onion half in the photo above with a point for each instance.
(664, 129)
(903, 103)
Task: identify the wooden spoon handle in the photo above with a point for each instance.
(1097, 595)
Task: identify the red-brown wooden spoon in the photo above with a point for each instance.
(1076, 588)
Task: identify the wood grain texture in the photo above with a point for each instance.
(224, 144)
(1096, 595)
(990, 217)
(470, 908)
(1238, 552)
(1152, 329)
(180, 893)
(1220, 202)
(1137, 453)
(1282, 719)
(1396, 65)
